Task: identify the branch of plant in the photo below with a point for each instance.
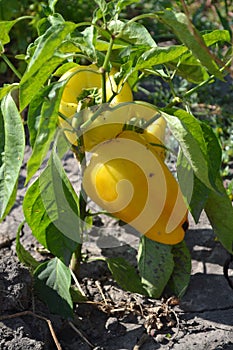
(207, 81)
(11, 66)
(177, 100)
(104, 68)
(81, 158)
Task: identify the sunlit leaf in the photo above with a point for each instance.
(216, 36)
(45, 126)
(132, 32)
(43, 61)
(34, 113)
(52, 4)
(7, 88)
(47, 45)
(194, 191)
(192, 39)
(159, 55)
(89, 38)
(12, 144)
(35, 83)
(194, 144)
(189, 67)
(5, 27)
(51, 210)
(121, 4)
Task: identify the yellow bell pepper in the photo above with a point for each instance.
(110, 123)
(127, 178)
(88, 77)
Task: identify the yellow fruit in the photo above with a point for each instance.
(110, 123)
(127, 178)
(155, 134)
(87, 77)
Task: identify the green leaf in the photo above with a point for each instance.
(180, 277)
(199, 197)
(34, 83)
(155, 264)
(43, 61)
(122, 4)
(101, 11)
(24, 256)
(46, 129)
(52, 4)
(216, 36)
(5, 27)
(76, 295)
(214, 150)
(34, 113)
(7, 88)
(111, 9)
(62, 144)
(64, 68)
(85, 43)
(12, 145)
(11, 201)
(125, 275)
(88, 44)
(68, 46)
(195, 145)
(159, 55)
(188, 67)
(189, 35)
(51, 210)
(219, 211)
(193, 73)
(132, 33)
(46, 47)
(52, 284)
(194, 191)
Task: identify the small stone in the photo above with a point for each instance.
(112, 324)
(160, 338)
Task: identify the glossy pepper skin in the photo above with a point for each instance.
(112, 120)
(111, 123)
(83, 78)
(127, 177)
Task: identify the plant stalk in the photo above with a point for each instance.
(104, 69)
(11, 66)
(207, 81)
(77, 255)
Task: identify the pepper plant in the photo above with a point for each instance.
(114, 55)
